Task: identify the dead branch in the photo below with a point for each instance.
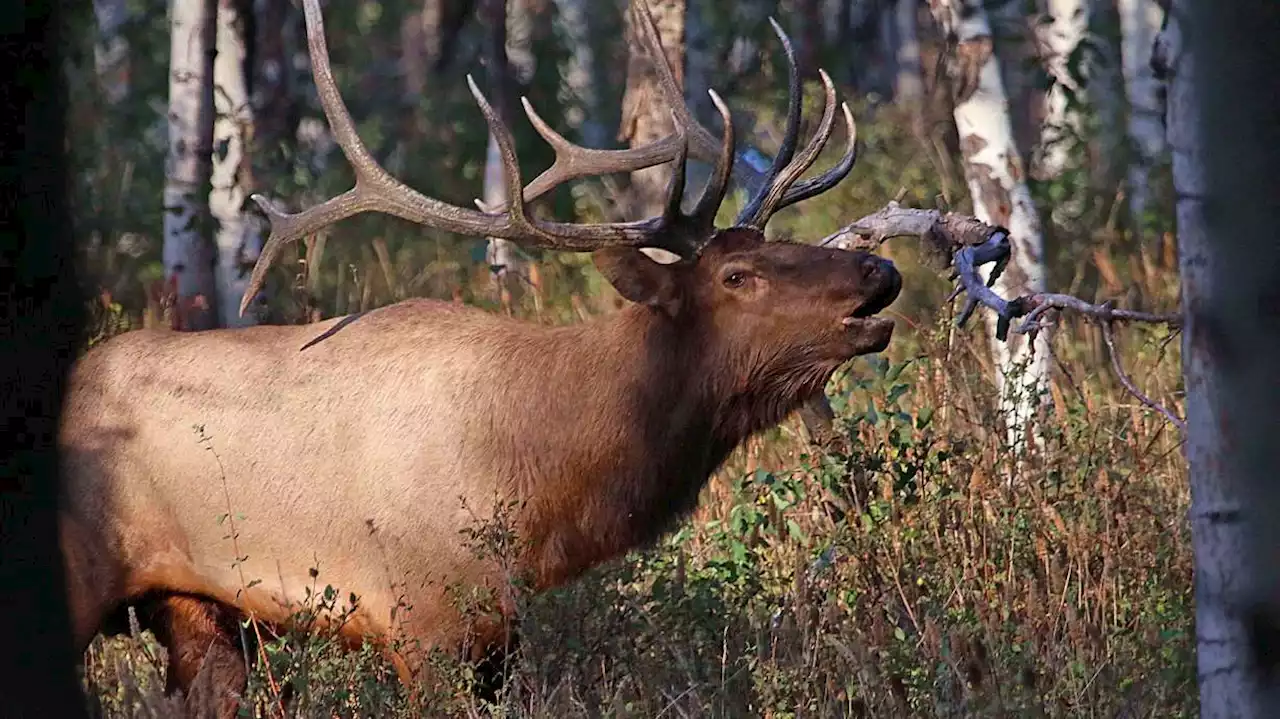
(965, 244)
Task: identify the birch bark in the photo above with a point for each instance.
(1060, 37)
(997, 185)
(1139, 23)
(188, 255)
(645, 117)
(238, 233)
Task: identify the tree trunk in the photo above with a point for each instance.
(499, 254)
(582, 77)
(1139, 23)
(1059, 37)
(645, 116)
(188, 255)
(1220, 58)
(238, 233)
(41, 321)
(908, 86)
(997, 185)
(111, 51)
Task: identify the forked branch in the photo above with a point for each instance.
(966, 244)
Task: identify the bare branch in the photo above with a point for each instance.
(1109, 337)
(965, 244)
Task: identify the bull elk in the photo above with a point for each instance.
(369, 442)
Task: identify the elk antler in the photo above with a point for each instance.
(778, 188)
(376, 190)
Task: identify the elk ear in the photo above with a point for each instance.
(638, 278)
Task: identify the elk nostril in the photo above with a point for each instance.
(871, 267)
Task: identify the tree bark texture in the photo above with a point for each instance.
(1060, 35)
(238, 232)
(41, 321)
(188, 255)
(1224, 130)
(997, 185)
(645, 116)
(499, 254)
(1139, 23)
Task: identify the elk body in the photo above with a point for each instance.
(363, 446)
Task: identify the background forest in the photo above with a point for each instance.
(970, 551)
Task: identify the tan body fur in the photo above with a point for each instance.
(364, 446)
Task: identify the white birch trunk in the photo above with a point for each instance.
(997, 185)
(909, 81)
(513, 54)
(237, 234)
(111, 51)
(1139, 23)
(1068, 20)
(188, 256)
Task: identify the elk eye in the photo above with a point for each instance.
(735, 279)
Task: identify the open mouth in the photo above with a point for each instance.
(865, 312)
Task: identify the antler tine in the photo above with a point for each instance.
(791, 138)
(805, 189)
(704, 213)
(507, 151)
(771, 195)
(702, 144)
(574, 161)
(672, 213)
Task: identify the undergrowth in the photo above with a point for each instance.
(931, 571)
(916, 576)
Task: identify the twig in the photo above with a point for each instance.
(1109, 337)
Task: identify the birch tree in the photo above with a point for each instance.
(908, 86)
(645, 117)
(1139, 23)
(1224, 137)
(237, 233)
(997, 186)
(499, 254)
(188, 255)
(1060, 35)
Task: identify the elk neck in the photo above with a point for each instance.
(635, 411)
